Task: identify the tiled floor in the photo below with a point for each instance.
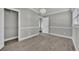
(42, 42)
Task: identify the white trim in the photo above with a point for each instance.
(11, 38)
(73, 31)
(3, 23)
(60, 11)
(18, 20)
(61, 27)
(1, 46)
(74, 38)
(13, 9)
(56, 12)
(60, 35)
(28, 37)
(28, 27)
(52, 13)
(34, 10)
(19, 27)
(66, 37)
(75, 45)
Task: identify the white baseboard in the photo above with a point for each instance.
(66, 37)
(75, 45)
(28, 37)
(60, 35)
(1, 46)
(10, 38)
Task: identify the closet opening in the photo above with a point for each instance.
(11, 25)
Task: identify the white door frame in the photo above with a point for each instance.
(18, 20)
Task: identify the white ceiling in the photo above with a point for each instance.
(38, 9)
(49, 10)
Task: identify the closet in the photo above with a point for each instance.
(10, 24)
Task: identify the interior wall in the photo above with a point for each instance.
(29, 23)
(61, 23)
(76, 40)
(75, 16)
(10, 24)
(1, 28)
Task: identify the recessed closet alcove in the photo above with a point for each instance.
(10, 24)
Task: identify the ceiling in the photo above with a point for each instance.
(38, 9)
(49, 10)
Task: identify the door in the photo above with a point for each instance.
(1, 28)
(45, 25)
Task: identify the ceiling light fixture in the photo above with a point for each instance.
(43, 11)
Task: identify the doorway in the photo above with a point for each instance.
(44, 25)
(11, 24)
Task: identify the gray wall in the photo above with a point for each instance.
(10, 24)
(76, 27)
(1, 28)
(76, 40)
(29, 22)
(61, 23)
